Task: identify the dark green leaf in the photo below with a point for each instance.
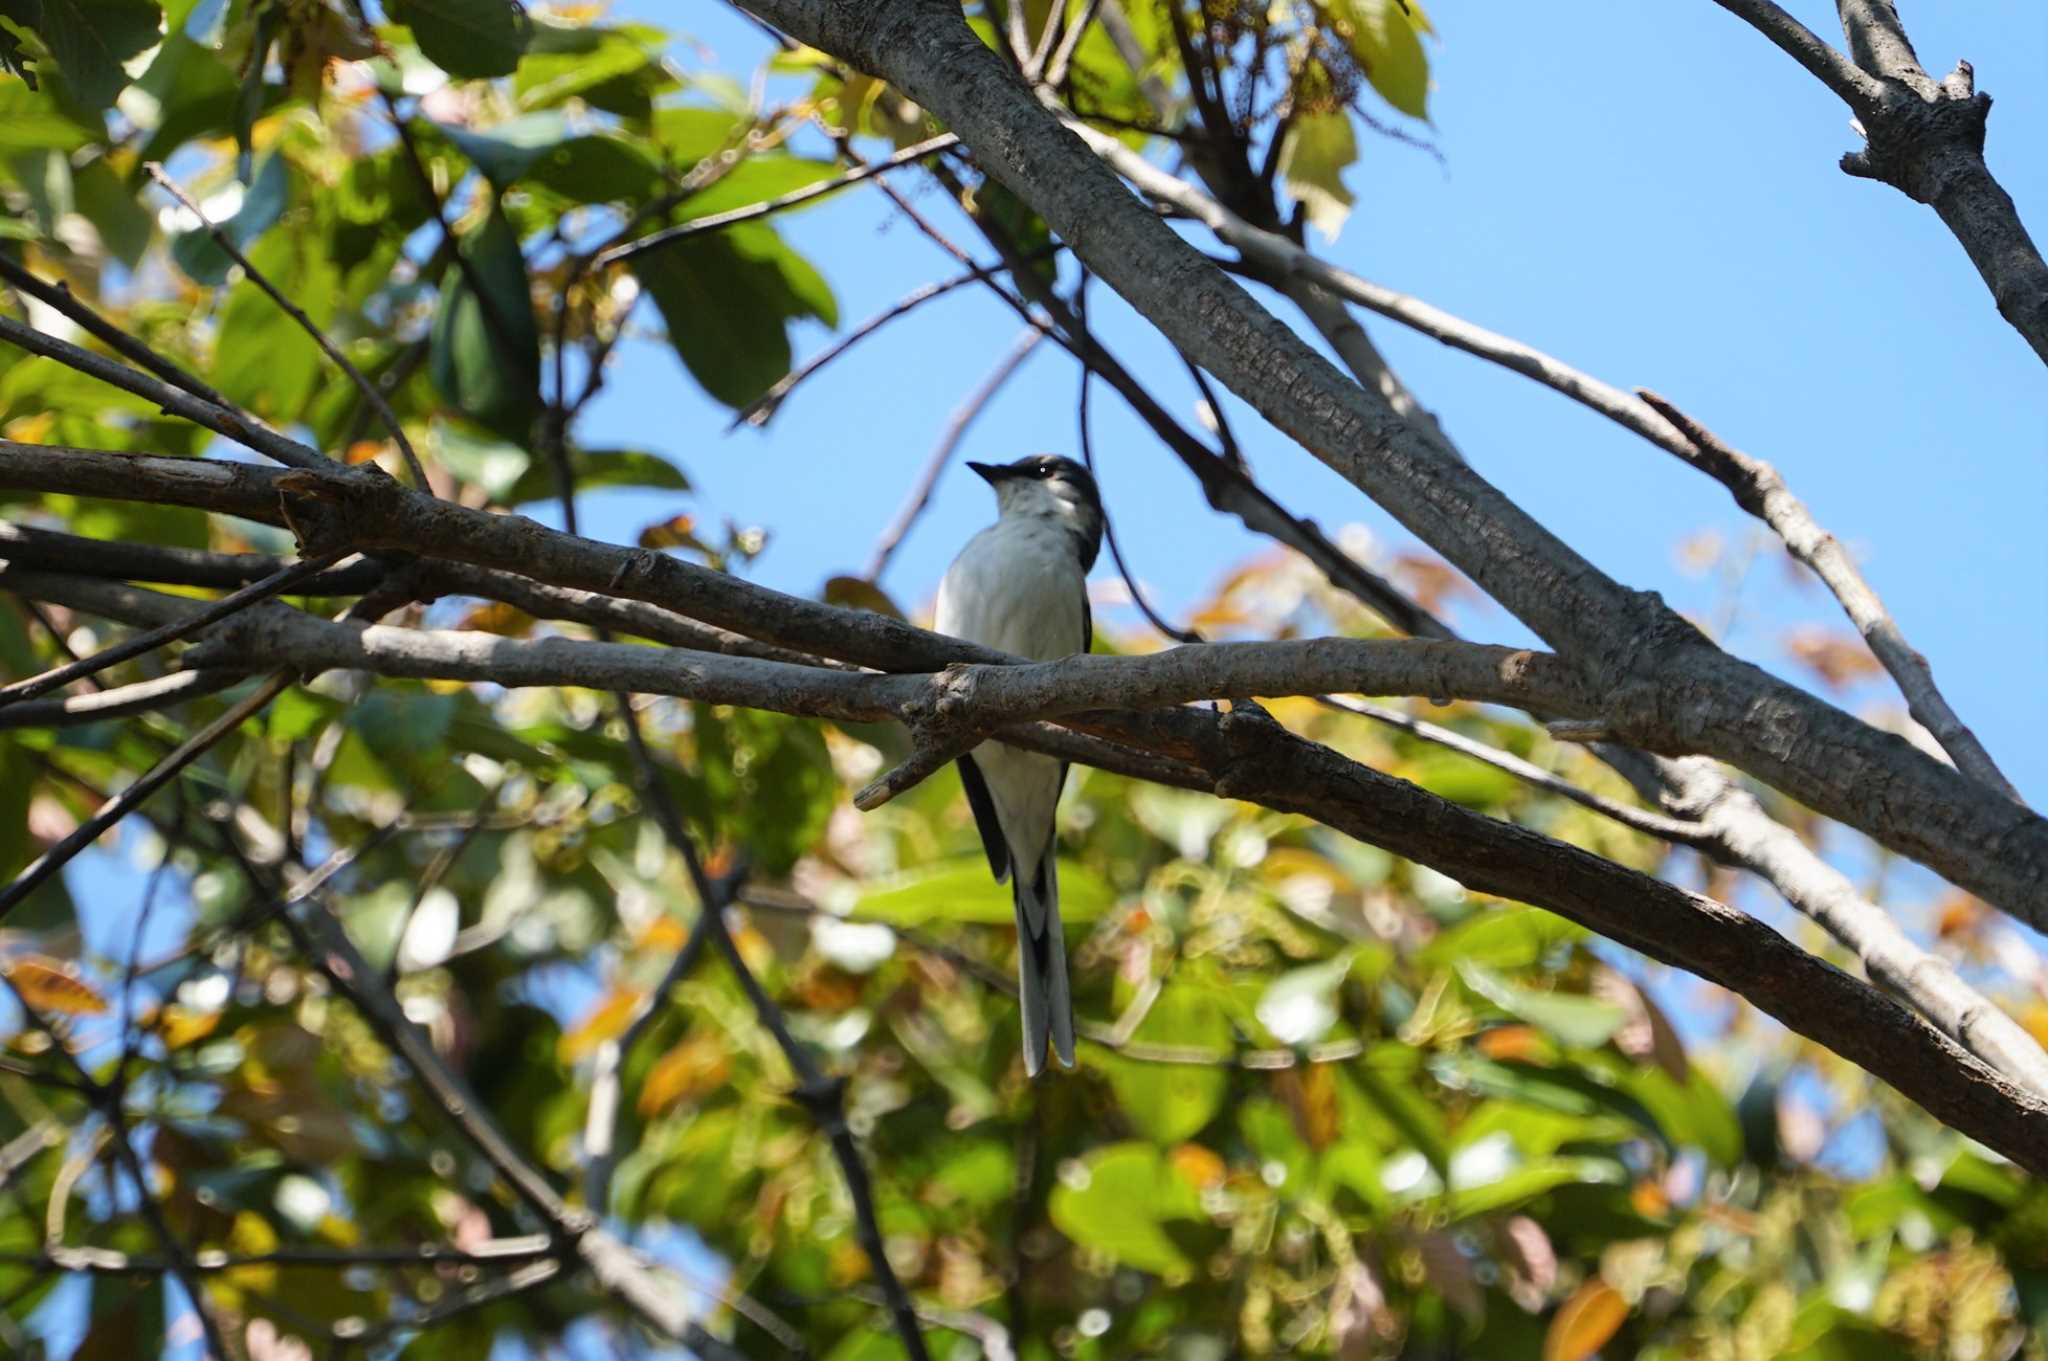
(90, 39)
(596, 469)
(504, 151)
(725, 297)
(485, 359)
(468, 38)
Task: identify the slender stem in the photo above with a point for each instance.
(956, 429)
(371, 395)
(118, 807)
(227, 606)
(931, 146)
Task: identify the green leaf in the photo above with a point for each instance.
(467, 38)
(599, 168)
(1522, 1184)
(1505, 938)
(962, 890)
(1318, 149)
(91, 39)
(124, 225)
(30, 123)
(689, 134)
(562, 63)
(504, 151)
(726, 298)
(756, 179)
(263, 203)
(266, 360)
(486, 360)
(1384, 40)
(492, 464)
(1575, 1021)
(596, 469)
(1117, 1199)
(1169, 1102)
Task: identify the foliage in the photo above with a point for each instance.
(1333, 1104)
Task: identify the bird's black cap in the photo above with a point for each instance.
(1038, 465)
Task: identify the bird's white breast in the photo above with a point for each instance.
(1016, 586)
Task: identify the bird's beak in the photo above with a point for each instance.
(991, 473)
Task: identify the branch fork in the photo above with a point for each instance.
(942, 729)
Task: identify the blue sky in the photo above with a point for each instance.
(1648, 192)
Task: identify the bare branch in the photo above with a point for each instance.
(1758, 489)
(1855, 87)
(1715, 705)
(121, 702)
(1925, 138)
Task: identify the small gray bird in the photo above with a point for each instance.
(1021, 585)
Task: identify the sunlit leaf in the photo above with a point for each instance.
(1584, 1323)
(51, 985)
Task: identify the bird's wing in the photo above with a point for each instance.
(992, 839)
(1087, 619)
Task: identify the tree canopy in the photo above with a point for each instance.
(431, 933)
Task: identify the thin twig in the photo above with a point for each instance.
(118, 807)
(763, 408)
(957, 425)
(371, 395)
(822, 1097)
(931, 146)
(226, 607)
(237, 425)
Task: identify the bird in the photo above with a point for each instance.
(1021, 586)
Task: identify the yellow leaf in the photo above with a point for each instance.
(497, 617)
(606, 1021)
(51, 985)
(1584, 1322)
(183, 1025)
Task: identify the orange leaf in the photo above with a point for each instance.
(1839, 661)
(675, 532)
(694, 1067)
(51, 985)
(1585, 1322)
(606, 1021)
(1197, 1165)
(1511, 1042)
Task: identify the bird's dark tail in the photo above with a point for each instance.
(1042, 967)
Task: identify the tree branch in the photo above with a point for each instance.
(1925, 138)
(1758, 489)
